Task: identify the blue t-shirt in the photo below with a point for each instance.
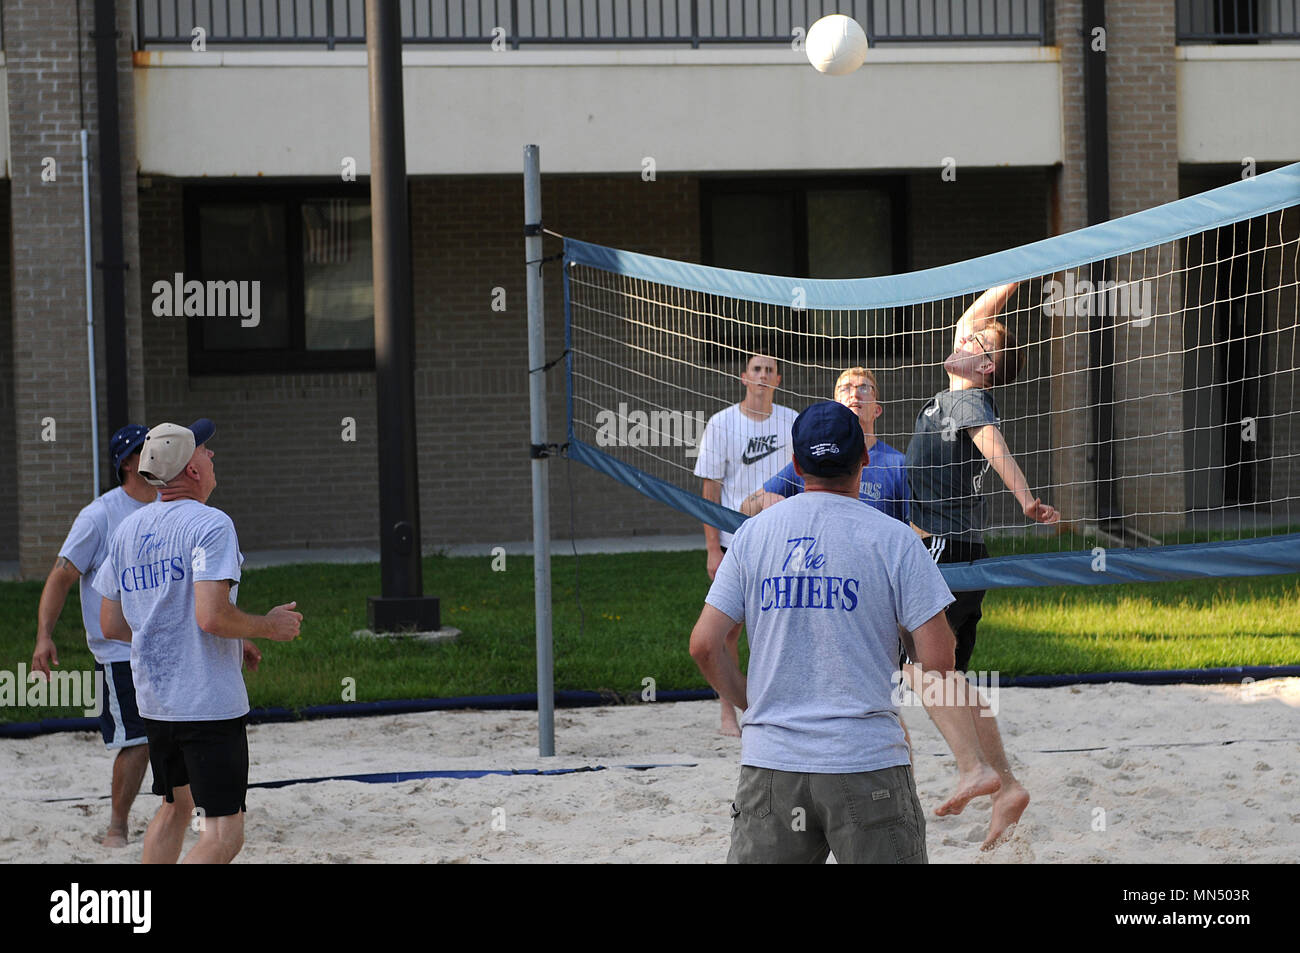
(824, 584)
(155, 557)
(884, 481)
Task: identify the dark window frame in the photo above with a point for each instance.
(295, 358)
(896, 344)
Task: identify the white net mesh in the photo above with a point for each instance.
(1156, 399)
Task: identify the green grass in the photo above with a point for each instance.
(639, 609)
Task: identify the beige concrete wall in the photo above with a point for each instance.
(602, 111)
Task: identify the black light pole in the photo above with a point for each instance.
(1101, 331)
(113, 263)
(403, 604)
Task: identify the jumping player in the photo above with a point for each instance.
(955, 441)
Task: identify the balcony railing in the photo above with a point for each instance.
(1238, 21)
(515, 23)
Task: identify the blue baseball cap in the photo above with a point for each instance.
(828, 440)
(125, 442)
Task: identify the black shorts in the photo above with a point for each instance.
(209, 756)
(964, 613)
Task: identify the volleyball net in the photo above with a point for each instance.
(1155, 406)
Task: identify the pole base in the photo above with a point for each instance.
(396, 613)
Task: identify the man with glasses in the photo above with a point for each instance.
(956, 439)
(884, 478)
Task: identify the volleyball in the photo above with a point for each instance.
(836, 44)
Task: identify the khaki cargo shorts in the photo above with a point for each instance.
(780, 817)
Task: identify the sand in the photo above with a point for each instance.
(1177, 774)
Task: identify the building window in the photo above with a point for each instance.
(814, 228)
(307, 249)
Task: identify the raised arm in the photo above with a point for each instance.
(993, 445)
(986, 307)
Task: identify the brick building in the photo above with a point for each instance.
(235, 150)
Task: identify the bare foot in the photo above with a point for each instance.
(1008, 805)
(115, 837)
(982, 780)
(730, 726)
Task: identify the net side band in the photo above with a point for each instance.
(1155, 226)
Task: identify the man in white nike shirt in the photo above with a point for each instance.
(742, 447)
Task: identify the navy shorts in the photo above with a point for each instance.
(209, 756)
(119, 720)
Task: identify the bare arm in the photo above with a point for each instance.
(216, 615)
(758, 501)
(993, 445)
(933, 645)
(58, 584)
(712, 490)
(986, 307)
(710, 654)
(111, 621)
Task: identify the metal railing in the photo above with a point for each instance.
(512, 23)
(1237, 21)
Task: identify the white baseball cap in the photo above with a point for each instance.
(168, 447)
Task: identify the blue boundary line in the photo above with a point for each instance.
(396, 777)
(582, 699)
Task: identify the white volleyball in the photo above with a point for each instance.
(836, 45)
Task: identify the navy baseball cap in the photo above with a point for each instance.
(125, 442)
(828, 440)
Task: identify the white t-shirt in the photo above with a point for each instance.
(823, 584)
(743, 454)
(86, 548)
(181, 672)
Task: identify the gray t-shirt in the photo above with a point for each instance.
(156, 555)
(944, 467)
(86, 548)
(824, 583)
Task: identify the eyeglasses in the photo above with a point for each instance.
(862, 390)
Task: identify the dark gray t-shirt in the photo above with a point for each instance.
(944, 467)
